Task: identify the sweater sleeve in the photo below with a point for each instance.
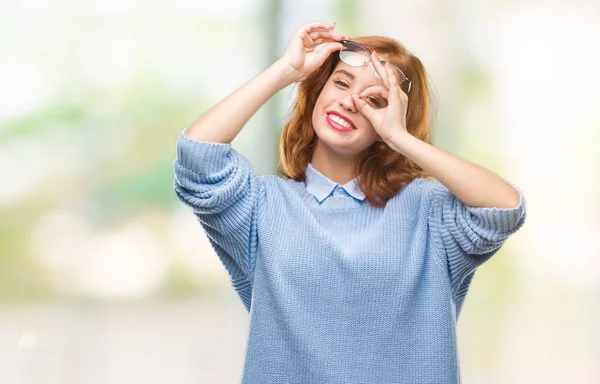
(466, 236)
(225, 194)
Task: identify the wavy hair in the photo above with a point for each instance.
(383, 171)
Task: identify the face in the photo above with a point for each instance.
(342, 130)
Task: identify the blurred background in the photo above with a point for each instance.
(106, 278)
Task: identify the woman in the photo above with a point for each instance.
(354, 265)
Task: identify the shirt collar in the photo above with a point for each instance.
(321, 186)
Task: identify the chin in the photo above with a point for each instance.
(330, 143)
(342, 143)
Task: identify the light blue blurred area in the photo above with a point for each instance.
(106, 278)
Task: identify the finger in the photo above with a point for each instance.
(304, 31)
(395, 89)
(326, 34)
(322, 40)
(362, 106)
(379, 69)
(393, 82)
(378, 92)
(318, 37)
(327, 50)
(375, 90)
(317, 26)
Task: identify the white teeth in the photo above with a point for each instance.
(340, 121)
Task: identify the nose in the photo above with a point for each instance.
(347, 102)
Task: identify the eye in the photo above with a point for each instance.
(341, 83)
(374, 101)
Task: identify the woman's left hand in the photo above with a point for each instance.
(391, 119)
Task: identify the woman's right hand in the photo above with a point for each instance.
(300, 56)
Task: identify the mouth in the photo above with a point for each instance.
(340, 122)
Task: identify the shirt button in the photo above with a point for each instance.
(339, 191)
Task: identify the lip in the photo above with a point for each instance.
(336, 125)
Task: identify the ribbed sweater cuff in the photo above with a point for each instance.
(500, 219)
(201, 157)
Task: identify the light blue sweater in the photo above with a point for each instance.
(339, 291)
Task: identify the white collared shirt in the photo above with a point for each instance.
(322, 187)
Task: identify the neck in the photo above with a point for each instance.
(338, 168)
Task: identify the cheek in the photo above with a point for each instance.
(317, 110)
(320, 105)
(370, 134)
(323, 99)
(366, 126)
(329, 93)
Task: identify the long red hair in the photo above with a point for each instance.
(383, 171)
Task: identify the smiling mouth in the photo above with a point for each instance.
(343, 127)
(339, 123)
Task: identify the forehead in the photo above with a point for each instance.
(365, 74)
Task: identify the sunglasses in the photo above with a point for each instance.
(356, 55)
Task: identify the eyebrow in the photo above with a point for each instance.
(351, 76)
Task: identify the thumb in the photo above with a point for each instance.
(327, 50)
(363, 107)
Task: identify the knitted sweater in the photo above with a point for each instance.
(339, 291)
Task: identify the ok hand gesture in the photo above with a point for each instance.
(390, 120)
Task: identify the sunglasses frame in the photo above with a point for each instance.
(347, 42)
